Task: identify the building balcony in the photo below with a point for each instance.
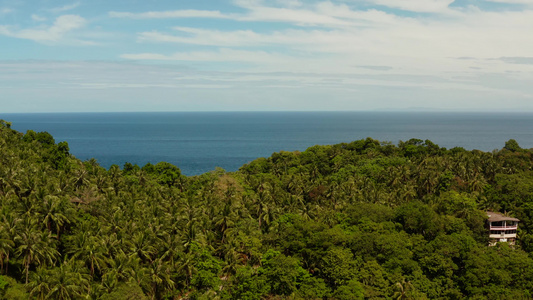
(505, 227)
(503, 236)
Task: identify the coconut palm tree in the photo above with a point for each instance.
(53, 214)
(9, 226)
(172, 246)
(35, 246)
(160, 277)
(142, 246)
(6, 248)
(88, 248)
(68, 281)
(39, 285)
(121, 265)
(402, 289)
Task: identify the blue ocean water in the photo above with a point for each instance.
(197, 142)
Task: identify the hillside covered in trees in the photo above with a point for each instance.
(359, 220)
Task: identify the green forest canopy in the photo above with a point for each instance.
(365, 219)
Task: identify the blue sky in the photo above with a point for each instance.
(243, 55)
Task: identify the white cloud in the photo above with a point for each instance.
(376, 37)
(292, 12)
(64, 8)
(57, 32)
(191, 13)
(206, 37)
(518, 60)
(527, 2)
(369, 43)
(299, 16)
(101, 86)
(222, 55)
(416, 5)
(38, 18)
(329, 49)
(290, 3)
(5, 11)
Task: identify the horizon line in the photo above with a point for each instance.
(281, 111)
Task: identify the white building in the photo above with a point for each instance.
(502, 228)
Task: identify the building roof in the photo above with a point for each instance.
(496, 217)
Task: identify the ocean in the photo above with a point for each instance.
(198, 142)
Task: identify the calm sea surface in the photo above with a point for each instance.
(198, 142)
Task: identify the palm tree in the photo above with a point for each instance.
(308, 209)
(231, 256)
(87, 248)
(142, 177)
(52, 214)
(35, 246)
(68, 281)
(29, 183)
(6, 247)
(226, 216)
(121, 265)
(114, 176)
(139, 272)
(109, 281)
(63, 181)
(39, 285)
(477, 184)
(160, 277)
(142, 246)
(190, 220)
(402, 290)
(9, 228)
(186, 267)
(112, 245)
(172, 246)
(267, 214)
(81, 177)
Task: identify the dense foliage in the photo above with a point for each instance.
(350, 221)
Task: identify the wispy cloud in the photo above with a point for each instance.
(303, 16)
(445, 49)
(5, 10)
(191, 13)
(93, 84)
(38, 18)
(223, 55)
(416, 5)
(207, 37)
(359, 53)
(64, 8)
(322, 14)
(518, 60)
(467, 37)
(55, 33)
(377, 68)
(526, 2)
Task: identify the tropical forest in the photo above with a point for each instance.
(365, 219)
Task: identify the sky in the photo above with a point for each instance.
(258, 55)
